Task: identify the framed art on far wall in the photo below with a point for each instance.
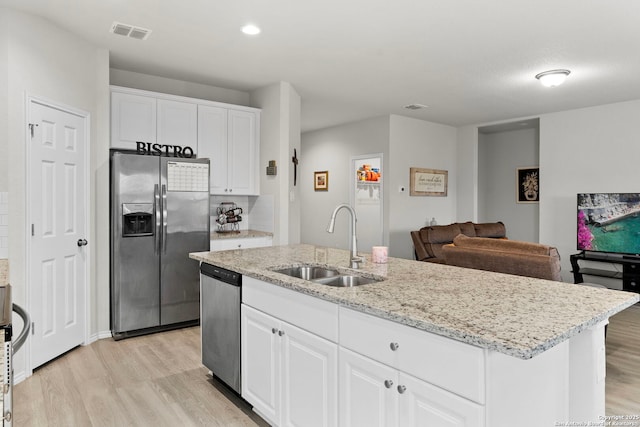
(321, 181)
(428, 182)
(528, 185)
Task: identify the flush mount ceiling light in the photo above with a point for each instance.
(250, 30)
(553, 78)
(415, 106)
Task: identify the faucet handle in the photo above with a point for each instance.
(356, 261)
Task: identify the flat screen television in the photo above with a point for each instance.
(609, 222)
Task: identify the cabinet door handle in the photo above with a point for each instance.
(394, 346)
(280, 333)
(274, 330)
(402, 389)
(388, 383)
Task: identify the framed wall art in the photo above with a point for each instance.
(428, 182)
(321, 181)
(528, 185)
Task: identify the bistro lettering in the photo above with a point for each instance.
(161, 149)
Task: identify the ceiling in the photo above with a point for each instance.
(469, 61)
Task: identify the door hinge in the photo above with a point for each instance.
(33, 230)
(31, 127)
(33, 328)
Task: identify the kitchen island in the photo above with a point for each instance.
(512, 350)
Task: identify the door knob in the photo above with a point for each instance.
(388, 383)
(82, 242)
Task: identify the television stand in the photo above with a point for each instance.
(630, 273)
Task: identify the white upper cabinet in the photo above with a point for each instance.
(229, 135)
(177, 124)
(133, 118)
(212, 139)
(242, 152)
(229, 138)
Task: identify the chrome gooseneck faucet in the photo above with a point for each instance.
(355, 258)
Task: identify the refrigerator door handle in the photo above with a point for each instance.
(158, 208)
(164, 219)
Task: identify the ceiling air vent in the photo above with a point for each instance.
(130, 31)
(415, 106)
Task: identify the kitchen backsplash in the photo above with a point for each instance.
(4, 224)
(257, 212)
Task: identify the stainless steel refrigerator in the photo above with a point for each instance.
(159, 213)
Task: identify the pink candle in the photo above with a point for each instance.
(379, 254)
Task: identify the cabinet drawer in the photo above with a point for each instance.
(311, 314)
(244, 243)
(452, 365)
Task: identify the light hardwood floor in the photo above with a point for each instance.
(623, 363)
(154, 380)
(158, 380)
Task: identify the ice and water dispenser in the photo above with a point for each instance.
(137, 219)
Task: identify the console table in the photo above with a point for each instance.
(630, 273)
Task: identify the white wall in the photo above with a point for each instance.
(4, 107)
(177, 87)
(421, 144)
(499, 155)
(279, 135)
(404, 143)
(46, 61)
(583, 151)
(331, 150)
(467, 166)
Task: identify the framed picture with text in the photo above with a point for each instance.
(428, 182)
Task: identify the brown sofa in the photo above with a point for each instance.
(428, 241)
(504, 256)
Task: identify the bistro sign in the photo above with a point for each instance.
(164, 150)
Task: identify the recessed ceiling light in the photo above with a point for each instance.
(251, 30)
(553, 78)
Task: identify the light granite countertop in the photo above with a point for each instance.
(514, 315)
(241, 234)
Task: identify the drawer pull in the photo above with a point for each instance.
(402, 389)
(388, 383)
(394, 346)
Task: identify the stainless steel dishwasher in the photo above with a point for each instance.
(220, 295)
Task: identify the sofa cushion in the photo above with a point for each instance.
(504, 245)
(428, 241)
(504, 256)
(489, 229)
(518, 263)
(467, 228)
(437, 235)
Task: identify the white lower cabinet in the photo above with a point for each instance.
(290, 376)
(367, 397)
(374, 394)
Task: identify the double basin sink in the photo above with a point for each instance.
(326, 276)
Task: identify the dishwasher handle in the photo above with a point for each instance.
(221, 274)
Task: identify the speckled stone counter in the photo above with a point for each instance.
(514, 315)
(241, 234)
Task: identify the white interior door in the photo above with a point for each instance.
(367, 200)
(57, 206)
